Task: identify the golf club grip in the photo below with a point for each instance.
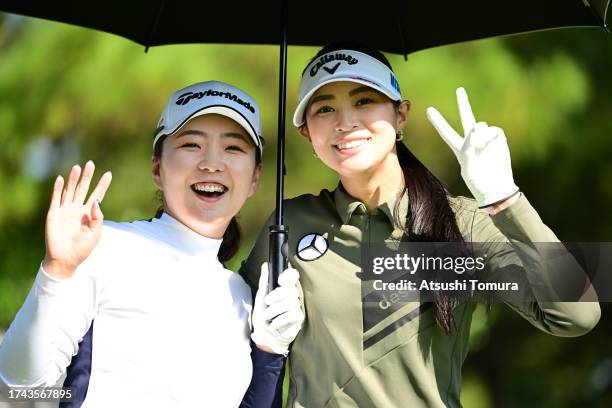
(279, 235)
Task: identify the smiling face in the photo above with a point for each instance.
(352, 127)
(206, 172)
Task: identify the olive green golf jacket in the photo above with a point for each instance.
(352, 353)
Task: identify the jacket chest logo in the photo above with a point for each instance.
(311, 246)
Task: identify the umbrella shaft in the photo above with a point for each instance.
(278, 252)
(282, 83)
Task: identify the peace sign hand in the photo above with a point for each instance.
(73, 228)
(483, 153)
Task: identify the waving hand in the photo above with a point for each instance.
(73, 226)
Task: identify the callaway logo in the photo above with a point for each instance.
(332, 57)
(332, 70)
(311, 246)
(185, 98)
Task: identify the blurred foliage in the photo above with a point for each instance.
(69, 94)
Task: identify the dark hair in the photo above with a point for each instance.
(233, 233)
(430, 217)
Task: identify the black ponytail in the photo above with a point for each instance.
(231, 241)
(429, 219)
(159, 196)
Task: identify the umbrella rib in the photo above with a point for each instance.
(160, 9)
(401, 29)
(601, 19)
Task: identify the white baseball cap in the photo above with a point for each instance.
(210, 97)
(344, 65)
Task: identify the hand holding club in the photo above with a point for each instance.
(277, 314)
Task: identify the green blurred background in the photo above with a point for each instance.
(69, 94)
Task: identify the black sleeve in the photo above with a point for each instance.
(266, 388)
(79, 372)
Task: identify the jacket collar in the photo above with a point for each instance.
(347, 206)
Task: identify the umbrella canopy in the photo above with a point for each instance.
(394, 26)
(400, 26)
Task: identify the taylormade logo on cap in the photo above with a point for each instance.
(345, 65)
(186, 97)
(212, 97)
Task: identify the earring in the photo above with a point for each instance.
(399, 135)
(314, 154)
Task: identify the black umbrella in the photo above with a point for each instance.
(394, 26)
(399, 26)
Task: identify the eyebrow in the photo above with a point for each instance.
(352, 92)
(321, 98)
(234, 135)
(188, 132)
(361, 89)
(231, 135)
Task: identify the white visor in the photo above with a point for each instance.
(210, 97)
(344, 65)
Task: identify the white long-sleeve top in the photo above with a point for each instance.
(171, 323)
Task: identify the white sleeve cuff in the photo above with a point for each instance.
(51, 285)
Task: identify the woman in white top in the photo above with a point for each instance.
(172, 325)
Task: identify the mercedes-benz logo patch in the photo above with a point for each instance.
(312, 246)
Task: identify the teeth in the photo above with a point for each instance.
(209, 188)
(352, 144)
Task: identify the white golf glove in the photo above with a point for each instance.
(483, 154)
(277, 315)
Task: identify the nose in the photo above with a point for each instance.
(346, 120)
(211, 161)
